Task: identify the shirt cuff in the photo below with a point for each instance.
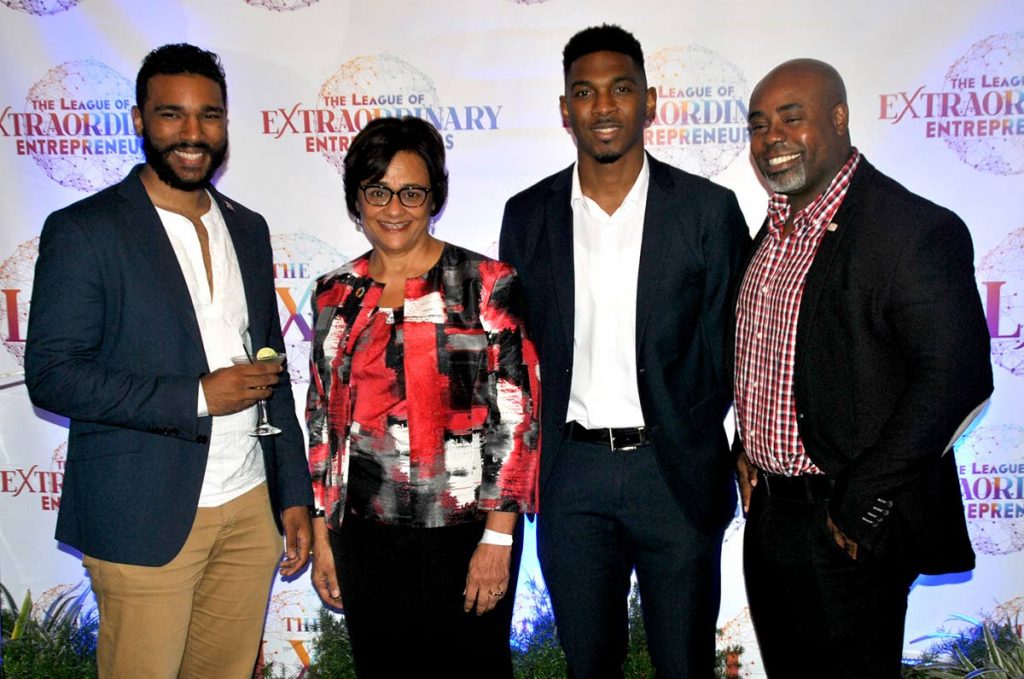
(201, 408)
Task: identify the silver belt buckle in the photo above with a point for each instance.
(611, 442)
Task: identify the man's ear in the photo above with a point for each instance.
(841, 118)
(137, 120)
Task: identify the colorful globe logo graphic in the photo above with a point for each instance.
(41, 7)
(107, 91)
(298, 260)
(16, 273)
(998, 57)
(281, 5)
(369, 83)
(700, 123)
(991, 483)
(1005, 263)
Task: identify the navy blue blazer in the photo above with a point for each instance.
(892, 353)
(114, 345)
(694, 243)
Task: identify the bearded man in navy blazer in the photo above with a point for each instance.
(862, 353)
(627, 265)
(143, 293)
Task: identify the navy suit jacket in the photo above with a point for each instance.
(694, 243)
(114, 345)
(892, 353)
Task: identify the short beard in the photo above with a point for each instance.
(607, 158)
(157, 159)
(788, 182)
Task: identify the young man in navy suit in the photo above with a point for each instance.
(861, 355)
(627, 265)
(143, 294)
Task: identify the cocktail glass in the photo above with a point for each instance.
(263, 426)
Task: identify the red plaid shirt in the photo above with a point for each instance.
(766, 319)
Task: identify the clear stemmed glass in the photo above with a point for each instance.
(263, 426)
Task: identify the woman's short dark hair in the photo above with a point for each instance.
(179, 59)
(372, 150)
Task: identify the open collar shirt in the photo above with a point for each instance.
(606, 263)
(235, 462)
(767, 312)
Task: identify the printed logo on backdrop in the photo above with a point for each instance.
(700, 124)
(16, 289)
(292, 620)
(991, 467)
(978, 111)
(38, 485)
(281, 5)
(76, 125)
(370, 87)
(1001, 275)
(41, 7)
(299, 259)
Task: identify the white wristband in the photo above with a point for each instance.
(493, 537)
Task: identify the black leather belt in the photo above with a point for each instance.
(625, 438)
(805, 488)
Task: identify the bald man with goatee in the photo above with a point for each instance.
(861, 355)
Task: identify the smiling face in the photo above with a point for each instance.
(393, 228)
(606, 103)
(184, 129)
(799, 136)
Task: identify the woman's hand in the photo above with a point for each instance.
(487, 580)
(323, 573)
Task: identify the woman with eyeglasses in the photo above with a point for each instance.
(423, 430)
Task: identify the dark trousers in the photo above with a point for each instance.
(604, 513)
(402, 589)
(816, 611)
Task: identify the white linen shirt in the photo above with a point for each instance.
(606, 261)
(235, 463)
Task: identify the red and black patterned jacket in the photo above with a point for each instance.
(471, 374)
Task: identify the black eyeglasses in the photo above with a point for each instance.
(380, 195)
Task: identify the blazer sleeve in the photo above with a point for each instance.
(934, 314)
(728, 250)
(67, 324)
(292, 486)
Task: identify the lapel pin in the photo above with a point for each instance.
(229, 206)
(832, 227)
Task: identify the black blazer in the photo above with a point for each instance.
(694, 243)
(892, 353)
(114, 345)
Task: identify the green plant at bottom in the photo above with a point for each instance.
(331, 650)
(989, 649)
(537, 655)
(59, 643)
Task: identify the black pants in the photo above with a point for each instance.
(603, 514)
(402, 589)
(816, 611)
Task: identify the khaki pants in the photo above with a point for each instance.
(202, 614)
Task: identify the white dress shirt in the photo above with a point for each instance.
(235, 463)
(606, 261)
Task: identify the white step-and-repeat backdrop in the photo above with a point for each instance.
(936, 91)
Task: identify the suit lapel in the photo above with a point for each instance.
(145, 229)
(661, 215)
(248, 261)
(824, 259)
(558, 218)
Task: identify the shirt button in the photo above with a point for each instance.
(760, 335)
(764, 289)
